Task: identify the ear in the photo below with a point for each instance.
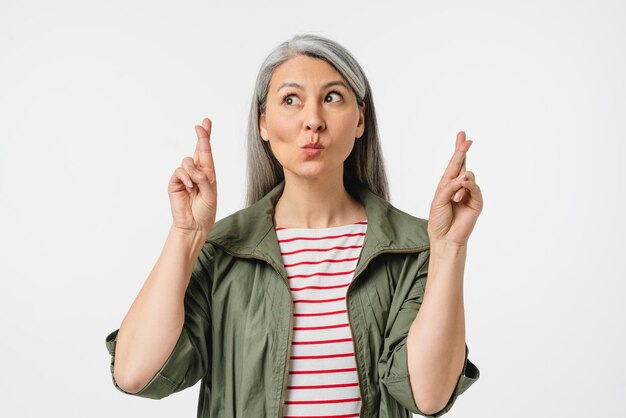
(263, 127)
(360, 127)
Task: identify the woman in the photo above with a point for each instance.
(305, 303)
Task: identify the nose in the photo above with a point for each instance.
(314, 121)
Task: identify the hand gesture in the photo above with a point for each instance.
(458, 200)
(193, 187)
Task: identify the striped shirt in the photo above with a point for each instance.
(320, 264)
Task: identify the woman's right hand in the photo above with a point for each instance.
(193, 187)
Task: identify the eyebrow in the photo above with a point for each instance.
(298, 86)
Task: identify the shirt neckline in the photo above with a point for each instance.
(332, 228)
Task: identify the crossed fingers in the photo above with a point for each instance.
(456, 166)
(203, 157)
(456, 175)
(199, 170)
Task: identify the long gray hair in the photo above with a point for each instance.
(364, 167)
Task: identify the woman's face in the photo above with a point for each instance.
(309, 103)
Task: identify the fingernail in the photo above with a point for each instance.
(457, 196)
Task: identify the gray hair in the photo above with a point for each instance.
(364, 167)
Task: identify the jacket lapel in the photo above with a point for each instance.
(250, 232)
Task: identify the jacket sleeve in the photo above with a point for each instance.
(191, 356)
(393, 366)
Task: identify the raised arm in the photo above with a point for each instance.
(154, 322)
(436, 340)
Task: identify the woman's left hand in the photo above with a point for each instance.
(451, 221)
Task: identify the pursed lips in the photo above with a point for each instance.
(312, 150)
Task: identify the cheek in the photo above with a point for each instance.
(281, 129)
(347, 124)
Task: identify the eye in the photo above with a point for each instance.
(289, 99)
(335, 93)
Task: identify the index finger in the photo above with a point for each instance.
(202, 156)
(457, 163)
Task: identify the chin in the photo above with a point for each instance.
(312, 173)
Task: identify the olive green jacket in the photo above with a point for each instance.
(238, 316)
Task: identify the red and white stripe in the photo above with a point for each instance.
(320, 263)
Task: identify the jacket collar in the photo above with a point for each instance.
(250, 232)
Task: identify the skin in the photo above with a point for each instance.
(436, 339)
(154, 321)
(314, 197)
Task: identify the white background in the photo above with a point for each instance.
(97, 106)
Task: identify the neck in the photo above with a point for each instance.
(316, 203)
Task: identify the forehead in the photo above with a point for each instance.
(304, 70)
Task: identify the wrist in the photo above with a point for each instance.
(189, 232)
(193, 237)
(444, 249)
